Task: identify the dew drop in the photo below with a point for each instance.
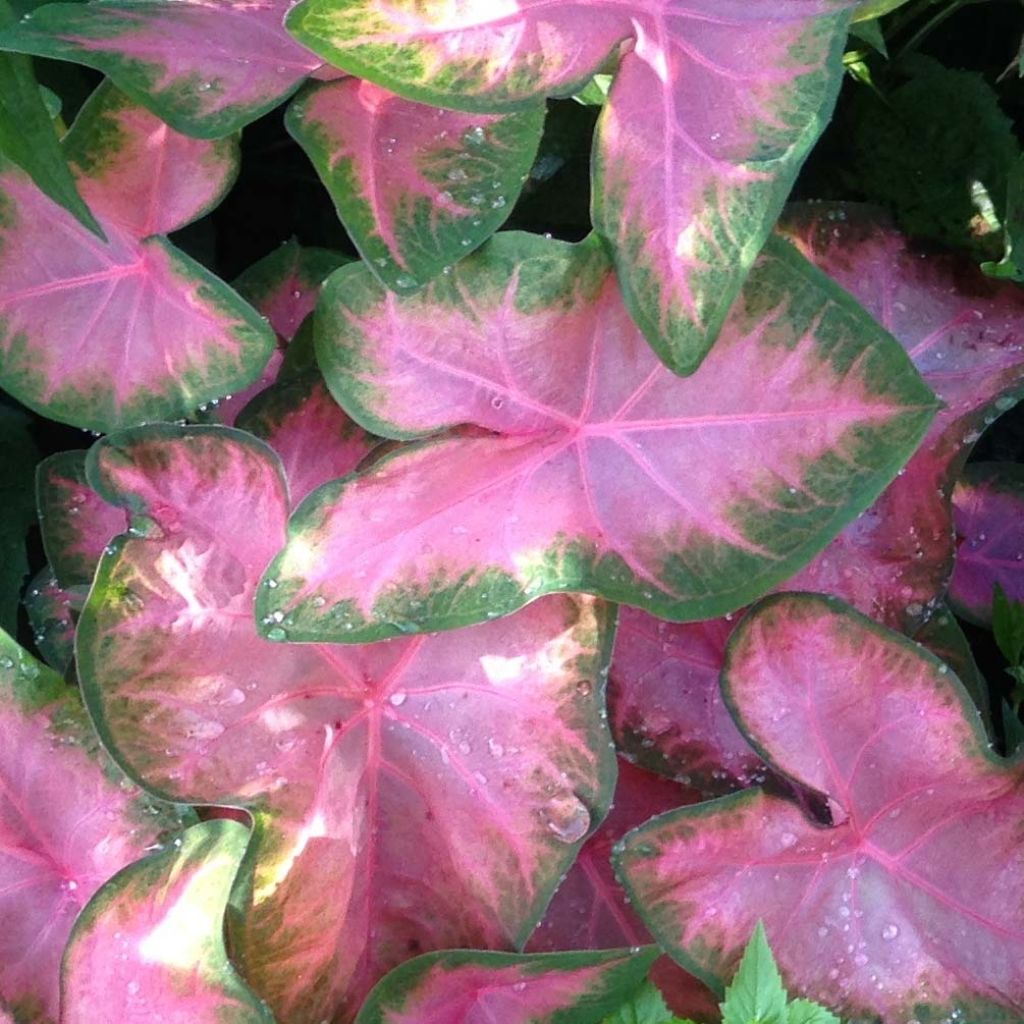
(889, 932)
(566, 819)
(397, 699)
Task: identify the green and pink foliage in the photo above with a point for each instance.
(118, 364)
(365, 768)
(666, 707)
(617, 487)
(988, 508)
(417, 187)
(69, 820)
(465, 987)
(149, 946)
(590, 909)
(713, 108)
(52, 614)
(206, 68)
(875, 912)
(965, 334)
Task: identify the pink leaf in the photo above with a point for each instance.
(366, 768)
(713, 109)
(76, 523)
(881, 915)
(284, 287)
(686, 496)
(206, 68)
(100, 335)
(68, 821)
(988, 506)
(964, 334)
(310, 432)
(150, 944)
(417, 187)
(666, 707)
(466, 987)
(590, 909)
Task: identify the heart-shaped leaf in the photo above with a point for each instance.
(988, 508)
(416, 187)
(205, 68)
(964, 333)
(713, 108)
(666, 707)
(883, 916)
(466, 987)
(68, 821)
(310, 432)
(150, 944)
(102, 335)
(367, 768)
(590, 909)
(76, 523)
(28, 136)
(640, 486)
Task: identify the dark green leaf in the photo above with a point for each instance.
(1008, 626)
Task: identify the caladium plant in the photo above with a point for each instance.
(988, 506)
(877, 912)
(364, 767)
(614, 488)
(713, 108)
(68, 821)
(119, 364)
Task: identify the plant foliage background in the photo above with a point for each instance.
(531, 630)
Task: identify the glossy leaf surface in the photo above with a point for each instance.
(988, 507)
(388, 821)
(149, 946)
(590, 910)
(68, 821)
(416, 187)
(712, 110)
(880, 916)
(463, 987)
(965, 334)
(206, 67)
(102, 335)
(666, 706)
(641, 486)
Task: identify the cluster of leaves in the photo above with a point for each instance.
(496, 627)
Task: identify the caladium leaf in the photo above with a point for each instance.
(712, 110)
(666, 707)
(366, 769)
(312, 435)
(207, 69)
(28, 136)
(616, 488)
(149, 946)
(880, 916)
(964, 333)
(51, 613)
(416, 187)
(988, 508)
(103, 335)
(590, 910)
(68, 821)
(76, 523)
(18, 456)
(466, 987)
(284, 287)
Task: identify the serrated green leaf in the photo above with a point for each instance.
(803, 1012)
(645, 1007)
(27, 134)
(1008, 626)
(756, 995)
